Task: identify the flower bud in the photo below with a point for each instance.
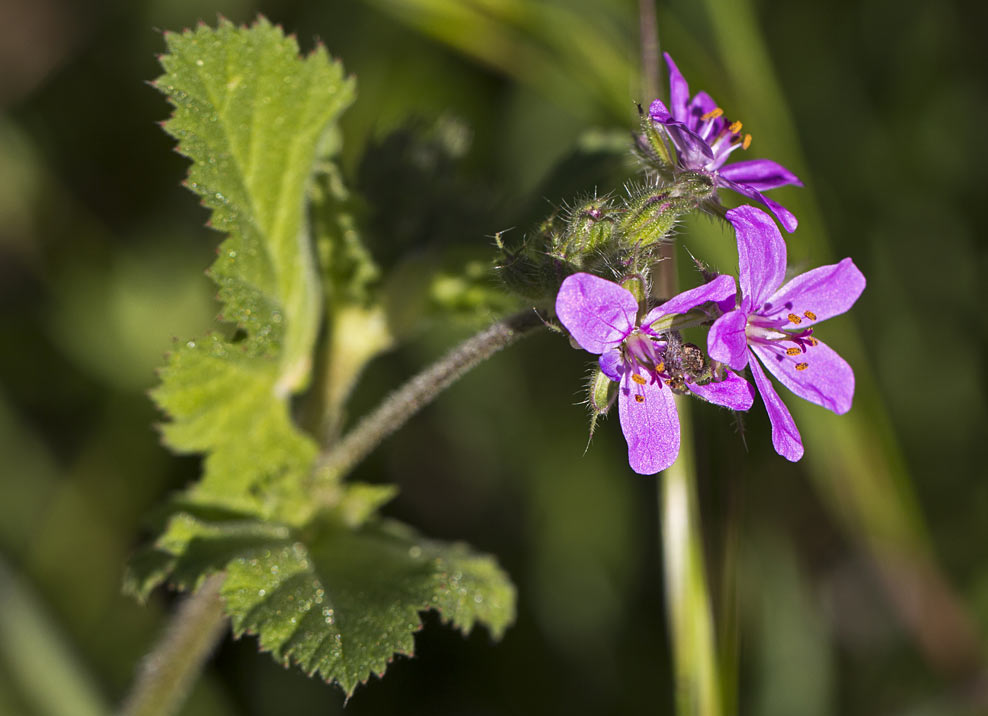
(589, 229)
(650, 216)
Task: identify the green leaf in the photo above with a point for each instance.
(336, 599)
(255, 119)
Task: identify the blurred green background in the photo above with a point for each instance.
(863, 570)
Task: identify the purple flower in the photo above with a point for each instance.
(704, 139)
(601, 316)
(776, 325)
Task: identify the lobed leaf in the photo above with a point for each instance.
(337, 599)
(255, 120)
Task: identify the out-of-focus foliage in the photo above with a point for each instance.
(100, 253)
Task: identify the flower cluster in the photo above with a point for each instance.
(769, 323)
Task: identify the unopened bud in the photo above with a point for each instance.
(635, 285)
(589, 229)
(650, 216)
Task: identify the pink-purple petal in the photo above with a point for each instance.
(819, 294)
(658, 112)
(650, 425)
(719, 289)
(785, 436)
(679, 90)
(785, 217)
(826, 379)
(761, 253)
(598, 313)
(760, 174)
(612, 364)
(727, 341)
(733, 392)
(694, 151)
(701, 104)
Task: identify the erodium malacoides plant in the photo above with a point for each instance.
(601, 260)
(273, 536)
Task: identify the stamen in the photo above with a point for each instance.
(802, 366)
(735, 127)
(639, 398)
(747, 141)
(794, 351)
(660, 367)
(810, 315)
(793, 318)
(713, 114)
(812, 341)
(638, 379)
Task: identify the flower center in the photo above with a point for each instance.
(722, 137)
(779, 332)
(642, 351)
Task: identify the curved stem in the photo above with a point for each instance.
(418, 392)
(167, 674)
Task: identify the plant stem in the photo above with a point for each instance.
(687, 594)
(649, 37)
(418, 392)
(167, 674)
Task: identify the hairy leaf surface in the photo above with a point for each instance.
(254, 118)
(338, 599)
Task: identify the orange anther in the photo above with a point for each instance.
(802, 366)
(812, 341)
(794, 351)
(793, 318)
(638, 379)
(660, 367)
(639, 398)
(713, 114)
(810, 315)
(747, 141)
(735, 127)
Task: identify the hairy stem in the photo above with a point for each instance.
(421, 390)
(167, 674)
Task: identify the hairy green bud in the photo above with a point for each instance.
(589, 229)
